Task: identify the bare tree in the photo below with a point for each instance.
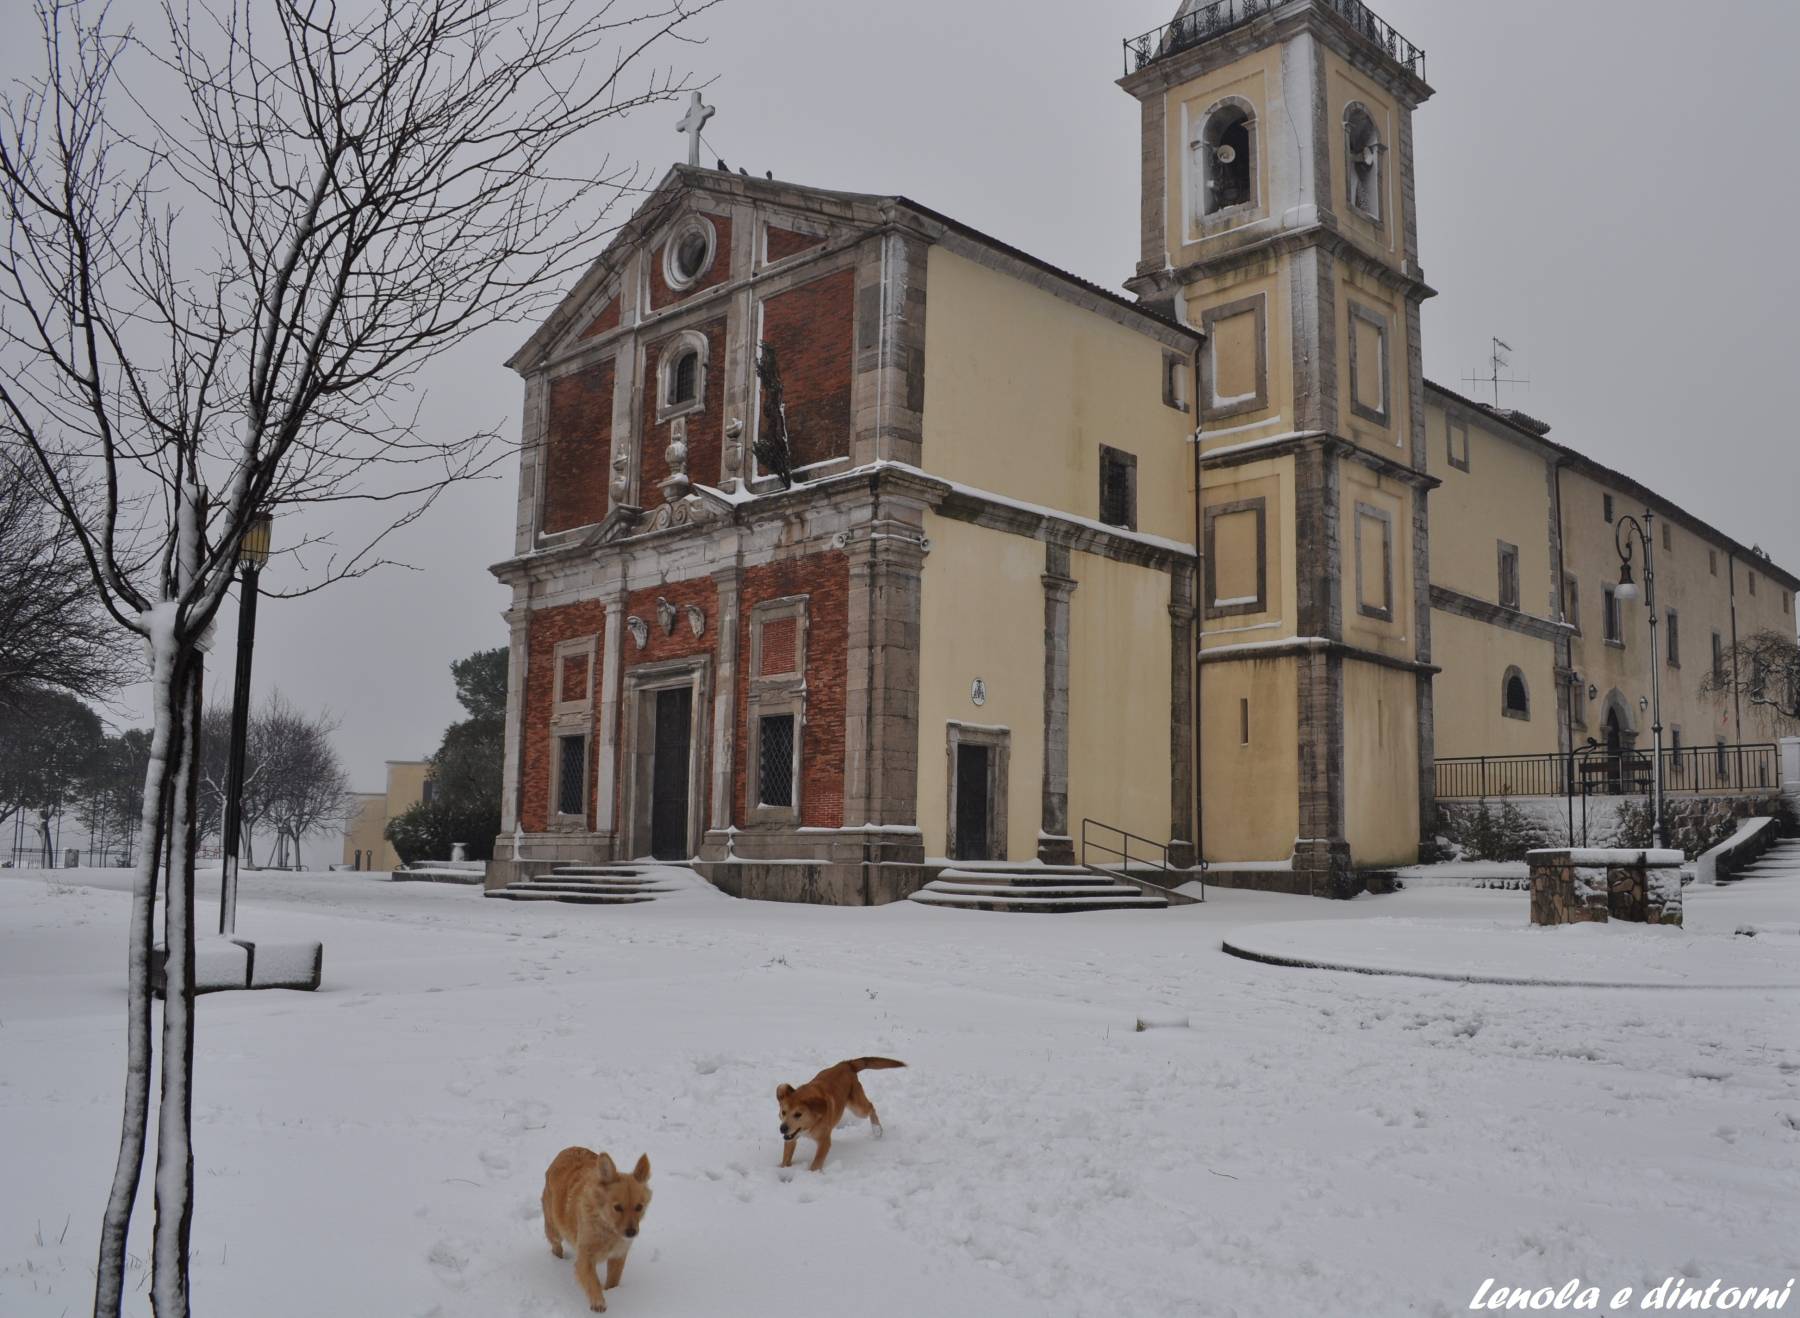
(1763, 669)
(54, 634)
(215, 311)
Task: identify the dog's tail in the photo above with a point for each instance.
(872, 1063)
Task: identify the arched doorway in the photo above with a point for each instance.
(1619, 737)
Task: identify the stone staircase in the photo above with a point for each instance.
(1781, 861)
(1046, 889)
(586, 885)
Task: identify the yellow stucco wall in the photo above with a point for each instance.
(1388, 438)
(1022, 388)
(1503, 496)
(1381, 764)
(981, 614)
(1474, 658)
(364, 835)
(1272, 481)
(1119, 688)
(1249, 787)
(1360, 488)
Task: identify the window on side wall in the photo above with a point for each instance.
(571, 774)
(1456, 434)
(1515, 697)
(1615, 623)
(1674, 620)
(1572, 602)
(1118, 488)
(1606, 507)
(1718, 657)
(1509, 576)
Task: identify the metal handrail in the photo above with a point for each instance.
(1160, 861)
(1600, 771)
(1221, 16)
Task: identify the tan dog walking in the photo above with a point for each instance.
(590, 1204)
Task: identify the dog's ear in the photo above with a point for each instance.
(641, 1172)
(782, 1091)
(609, 1171)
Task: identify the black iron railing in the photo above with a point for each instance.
(1209, 21)
(1104, 847)
(1597, 771)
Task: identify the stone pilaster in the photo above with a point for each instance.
(1153, 194)
(606, 759)
(1182, 833)
(1055, 845)
(888, 398)
(881, 726)
(725, 698)
(518, 619)
(1321, 851)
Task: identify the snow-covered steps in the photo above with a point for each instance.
(1046, 889)
(587, 885)
(1781, 861)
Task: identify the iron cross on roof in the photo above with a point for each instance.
(691, 124)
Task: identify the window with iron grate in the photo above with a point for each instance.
(775, 737)
(571, 769)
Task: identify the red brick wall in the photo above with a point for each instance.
(661, 295)
(608, 319)
(705, 429)
(681, 644)
(778, 639)
(548, 628)
(810, 328)
(826, 579)
(579, 448)
(784, 243)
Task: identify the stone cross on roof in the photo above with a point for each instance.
(691, 124)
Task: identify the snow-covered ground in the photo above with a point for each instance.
(1316, 1142)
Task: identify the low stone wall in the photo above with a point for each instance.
(1584, 884)
(819, 883)
(1515, 825)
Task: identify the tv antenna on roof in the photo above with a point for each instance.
(1497, 361)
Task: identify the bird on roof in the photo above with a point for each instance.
(724, 168)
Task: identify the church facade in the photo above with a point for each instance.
(852, 541)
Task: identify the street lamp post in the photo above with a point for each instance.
(253, 553)
(1630, 528)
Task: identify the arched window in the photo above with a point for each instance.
(681, 375)
(1362, 161)
(1224, 158)
(1515, 698)
(684, 377)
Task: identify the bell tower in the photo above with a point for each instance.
(1278, 217)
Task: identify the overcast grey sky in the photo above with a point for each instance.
(1600, 183)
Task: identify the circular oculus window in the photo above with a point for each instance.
(689, 253)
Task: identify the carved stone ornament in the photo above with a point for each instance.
(639, 629)
(691, 511)
(696, 617)
(677, 455)
(665, 614)
(621, 481)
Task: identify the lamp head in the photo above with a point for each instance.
(254, 552)
(1627, 588)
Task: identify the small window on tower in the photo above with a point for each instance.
(1222, 156)
(1363, 148)
(684, 379)
(1515, 698)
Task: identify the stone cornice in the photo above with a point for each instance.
(1315, 645)
(1238, 455)
(1495, 615)
(1261, 242)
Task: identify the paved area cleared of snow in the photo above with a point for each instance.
(1314, 1142)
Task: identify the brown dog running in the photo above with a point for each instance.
(592, 1205)
(816, 1107)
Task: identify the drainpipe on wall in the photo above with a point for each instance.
(1199, 628)
(1737, 709)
